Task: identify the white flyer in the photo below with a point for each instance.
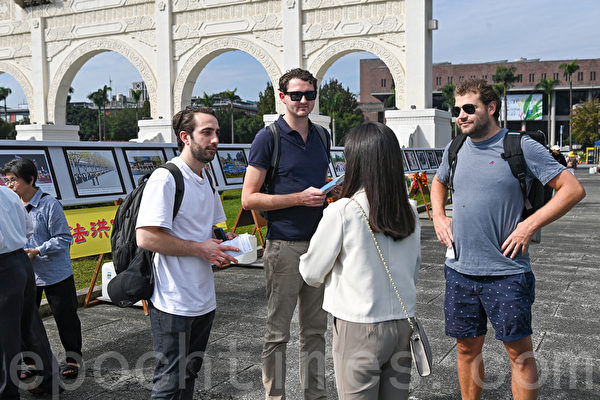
(242, 242)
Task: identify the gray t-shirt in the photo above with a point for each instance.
(488, 203)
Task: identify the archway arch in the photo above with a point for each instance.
(186, 79)
(340, 48)
(22, 80)
(58, 91)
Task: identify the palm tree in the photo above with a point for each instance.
(448, 94)
(505, 77)
(547, 86)
(136, 94)
(4, 92)
(231, 97)
(96, 98)
(568, 71)
(105, 100)
(207, 100)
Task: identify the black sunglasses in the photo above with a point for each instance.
(297, 96)
(468, 108)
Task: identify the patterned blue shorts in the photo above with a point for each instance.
(506, 300)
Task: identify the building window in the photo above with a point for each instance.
(543, 75)
(449, 79)
(484, 77)
(520, 78)
(531, 77)
(383, 82)
(473, 76)
(555, 77)
(580, 76)
(438, 80)
(592, 75)
(461, 78)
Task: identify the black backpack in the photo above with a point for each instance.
(534, 198)
(135, 279)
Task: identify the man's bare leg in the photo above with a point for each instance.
(524, 370)
(470, 367)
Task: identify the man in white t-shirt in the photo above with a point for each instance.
(183, 304)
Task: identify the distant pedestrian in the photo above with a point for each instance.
(555, 151)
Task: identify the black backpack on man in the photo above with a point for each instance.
(534, 198)
(135, 277)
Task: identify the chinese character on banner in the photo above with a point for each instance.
(99, 227)
(79, 234)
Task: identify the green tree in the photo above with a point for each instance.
(231, 96)
(86, 118)
(505, 77)
(585, 121)
(547, 86)
(96, 98)
(146, 111)
(346, 110)
(122, 125)
(266, 101)
(136, 95)
(568, 71)
(206, 100)
(448, 94)
(4, 93)
(331, 105)
(7, 130)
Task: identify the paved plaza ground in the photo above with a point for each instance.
(117, 342)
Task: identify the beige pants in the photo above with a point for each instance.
(285, 288)
(371, 361)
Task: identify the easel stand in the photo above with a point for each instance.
(250, 217)
(423, 190)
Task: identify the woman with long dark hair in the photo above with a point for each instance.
(371, 351)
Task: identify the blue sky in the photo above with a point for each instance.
(469, 31)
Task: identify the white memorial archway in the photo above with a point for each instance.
(171, 41)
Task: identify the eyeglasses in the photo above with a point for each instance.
(468, 108)
(9, 182)
(297, 96)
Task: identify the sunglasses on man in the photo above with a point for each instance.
(468, 108)
(297, 96)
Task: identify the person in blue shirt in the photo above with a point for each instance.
(295, 207)
(49, 251)
(488, 270)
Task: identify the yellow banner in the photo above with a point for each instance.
(91, 229)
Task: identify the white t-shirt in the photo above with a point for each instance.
(16, 225)
(183, 285)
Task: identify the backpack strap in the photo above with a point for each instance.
(210, 181)
(179, 185)
(456, 144)
(275, 156)
(325, 139)
(513, 154)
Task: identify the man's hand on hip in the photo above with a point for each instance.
(518, 240)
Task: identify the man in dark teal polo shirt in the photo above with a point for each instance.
(295, 206)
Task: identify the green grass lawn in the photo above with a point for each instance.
(83, 268)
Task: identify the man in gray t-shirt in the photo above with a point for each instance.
(488, 272)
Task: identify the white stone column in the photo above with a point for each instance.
(419, 71)
(40, 128)
(292, 43)
(159, 129)
(420, 128)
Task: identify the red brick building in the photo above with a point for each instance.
(586, 86)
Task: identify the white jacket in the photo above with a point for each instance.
(343, 256)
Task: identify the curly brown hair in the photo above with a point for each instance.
(487, 93)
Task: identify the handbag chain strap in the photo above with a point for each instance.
(364, 214)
